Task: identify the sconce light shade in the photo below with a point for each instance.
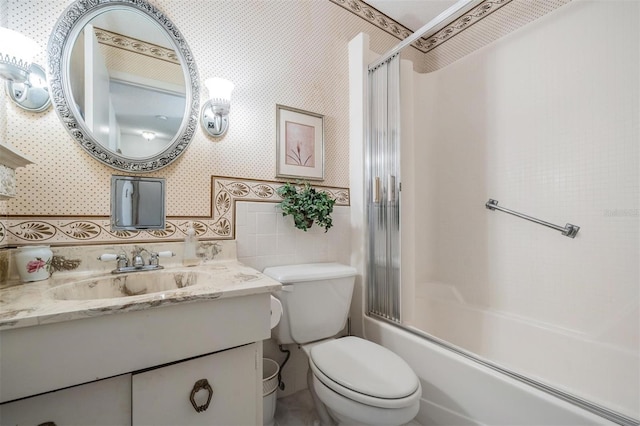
(16, 54)
(26, 82)
(219, 89)
(215, 112)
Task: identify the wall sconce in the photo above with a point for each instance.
(215, 112)
(26, 82)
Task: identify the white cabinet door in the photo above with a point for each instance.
(162, 396)
(105, 402)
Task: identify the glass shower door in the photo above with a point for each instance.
(382, 157)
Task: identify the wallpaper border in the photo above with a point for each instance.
(89, 230)
(130, 44)
(423, 44)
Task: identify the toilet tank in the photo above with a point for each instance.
(315, 299)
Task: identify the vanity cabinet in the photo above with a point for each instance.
(155, 397)
(161, 396)
(105, 402)
(77, 367)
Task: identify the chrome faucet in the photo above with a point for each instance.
(122, 261)
(137, 263)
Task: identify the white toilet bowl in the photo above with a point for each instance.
(362, 383)
(353, 381)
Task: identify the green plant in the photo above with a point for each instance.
(306, 205)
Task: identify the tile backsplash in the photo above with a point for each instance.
(265, 238)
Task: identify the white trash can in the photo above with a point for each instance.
(270, 370)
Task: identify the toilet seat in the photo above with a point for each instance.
(365, 372)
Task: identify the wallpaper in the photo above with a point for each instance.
(275, 52)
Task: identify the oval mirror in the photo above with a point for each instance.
(124, 83)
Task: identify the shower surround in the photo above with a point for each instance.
(545, 120)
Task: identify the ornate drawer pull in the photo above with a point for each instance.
(199, 385)
(47, 424)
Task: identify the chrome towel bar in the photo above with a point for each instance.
(568, 230)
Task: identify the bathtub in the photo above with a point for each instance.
(459, 391)
(598, 363)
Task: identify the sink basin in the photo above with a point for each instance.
(128, 285)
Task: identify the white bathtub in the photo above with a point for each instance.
(459, 391)
(596, 363)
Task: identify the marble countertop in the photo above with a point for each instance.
(43, 302)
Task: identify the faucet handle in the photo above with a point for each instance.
(123, 262)
(154, 258)
(107, 257)
(121, 258)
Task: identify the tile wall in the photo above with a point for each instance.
(546, 121)
(266, 238)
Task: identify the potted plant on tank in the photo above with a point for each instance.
(307, 205)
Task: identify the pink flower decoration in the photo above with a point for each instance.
(35, 265)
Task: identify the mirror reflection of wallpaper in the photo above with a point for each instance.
(147, 92)
(163, 67)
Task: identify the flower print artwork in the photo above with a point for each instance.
(299, 144)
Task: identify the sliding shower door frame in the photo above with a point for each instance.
(382, 190)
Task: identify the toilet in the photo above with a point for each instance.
(352, 380)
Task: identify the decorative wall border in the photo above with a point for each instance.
(218, 225)
(478, 13)
(134, 45)
(374, 16)
(423, 44)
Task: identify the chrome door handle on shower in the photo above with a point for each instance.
(376, 190)
(391, 189)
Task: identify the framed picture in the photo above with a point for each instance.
(300, 144)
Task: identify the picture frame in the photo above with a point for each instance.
(299, 144)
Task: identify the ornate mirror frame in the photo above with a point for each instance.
(60, 45)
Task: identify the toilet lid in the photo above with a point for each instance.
(365, 367)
